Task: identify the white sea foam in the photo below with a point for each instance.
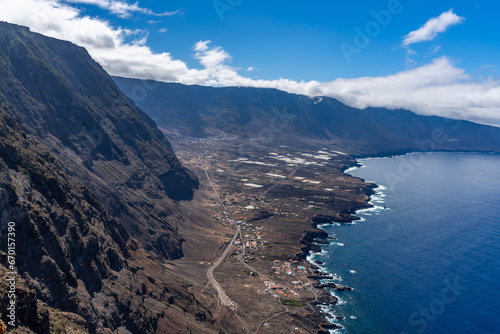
(377, 198)
(336, 331)
(323, 253)
(370, 211)
(324, 269)
(328, 310)
(330, 316)
(340, 300)
(335, 277)
(325, 308)
(351, 169)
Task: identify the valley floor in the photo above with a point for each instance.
(277, 196)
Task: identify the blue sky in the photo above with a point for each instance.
(300, 40)
(432, 57)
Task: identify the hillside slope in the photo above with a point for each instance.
(196, 111)
(93, 187)
(74, 256)
(58, 94)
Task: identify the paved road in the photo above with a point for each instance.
(280, 182)
(225, 300)
(242, 254)
(222, 295)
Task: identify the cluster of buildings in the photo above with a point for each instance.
(287, 267)
(284, 291)
(253, 242)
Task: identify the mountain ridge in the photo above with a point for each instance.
(93, 188)
(72, 106)
(100, 197)
(247, 112)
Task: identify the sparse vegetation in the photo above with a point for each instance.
(290, 302)
(249, 273)
(60, 327)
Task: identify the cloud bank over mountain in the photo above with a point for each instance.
(437, 88)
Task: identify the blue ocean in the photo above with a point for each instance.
(426, 257)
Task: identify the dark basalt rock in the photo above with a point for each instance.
(324, 276)
(263, 214)
(325, 298)
(62, 98)
(335, 286)
(339, 218)
(91, 184)
(309, 239)
(323, 331)
(321, 242)
(329, 325)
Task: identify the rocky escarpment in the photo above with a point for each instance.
(66, 242)
(33, 315)
(59, 95)
(91, 185)
(74, 256)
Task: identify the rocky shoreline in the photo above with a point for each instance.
(281, 221)
(313, 241)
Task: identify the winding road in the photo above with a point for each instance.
(225, 300)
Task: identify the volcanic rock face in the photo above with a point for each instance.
(66, 241)
(91, 185)
(64, 99)
(74, 256)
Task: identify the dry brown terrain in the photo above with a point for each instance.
(278, 195)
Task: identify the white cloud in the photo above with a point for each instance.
(201, 46)
(106, 44)
(210, 57)
(122, 9)
(438, 88)
(162, 30)
(141, 40)
(433, 27)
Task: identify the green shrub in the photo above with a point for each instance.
(290, 302)
(60, 327)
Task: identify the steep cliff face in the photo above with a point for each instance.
(92, 186)
(66, 241)
(58, 94)
(278, 117)
(74, 256)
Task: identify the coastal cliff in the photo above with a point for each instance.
(92, 187)
(66, 101)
